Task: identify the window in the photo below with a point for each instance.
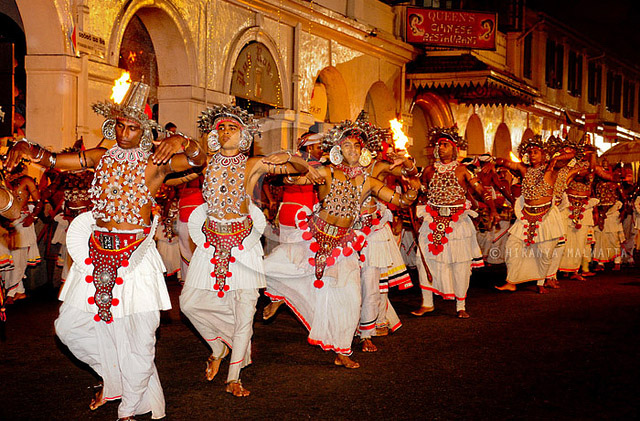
(628, 99)
(526, 65)
(575, 74)
(614, 92)
(554, 64)
(594, 83)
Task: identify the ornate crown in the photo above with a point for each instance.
(533, 142)
(209, 118)
(372, 136)
(450, 133)
(132, 107)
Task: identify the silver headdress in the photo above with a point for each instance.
(371, 138)
(210, 118)
(449, 134)
(533, 142)
(131, 108)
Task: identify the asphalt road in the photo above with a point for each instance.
(570, 354)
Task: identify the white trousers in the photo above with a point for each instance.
(370, 288)
(222, 322)
(186, 247)
(13, 279)
(457, 274)
(121, 352)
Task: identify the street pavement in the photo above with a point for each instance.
(570, 354)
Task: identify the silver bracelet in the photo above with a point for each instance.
(290, 156)
(53, 158)
(39, 155)
(8, 206)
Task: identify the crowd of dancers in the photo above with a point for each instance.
(343, 218)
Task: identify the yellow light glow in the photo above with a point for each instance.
(513, 157)
(400, 140)
(120, 87)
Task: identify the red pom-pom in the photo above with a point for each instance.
(115, 302)
(119, 281)
(232, 259)
(226, 288)
(366, 230)
(124, 263)
(330, 261)
(312, 261)
(362, 258)
(96, 318)
(432, 226)
(307, 235)
(318, 283)
(335, 252)
(455, 218)
(88, 261)
(444, 240)
(240, 247)
(571, 208)
(375, 221)
(314, 247)
(357, 246)
(229, 274)
(206, 245)
(578, 226)
(303, 225)
(430, 237)
(213, 274)
(214, 261)
(526, 225)
(448, 230)
(89, 279)
(110, 320)
(581, 216)
(91, 300)
(347, 251)
(216, 287)
(220, 294)
(361, 239)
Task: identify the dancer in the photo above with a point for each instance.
(447, 238)
(115, 288)
(221, 288)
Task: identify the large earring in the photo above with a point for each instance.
(525, 159)
(145, 141)
(212, 141)
(365, 157)
(547, 157)
(436, 154)
(109, 129)
(245, 141)
(335, 155)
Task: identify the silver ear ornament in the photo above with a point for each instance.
(365, 157)
(525, 159)
(212, 141)
(335, 155)
(109, 129)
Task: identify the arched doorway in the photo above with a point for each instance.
(428, 110)
(474, 133)
(337, 95)
(502, 142)
(380, 105)
(12, 76)
(528, 134)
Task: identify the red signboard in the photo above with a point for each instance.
(448, 28)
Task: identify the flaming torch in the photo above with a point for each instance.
(513, 157)
(400, 140)
(120, 87)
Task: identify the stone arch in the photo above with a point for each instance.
(502, 142)
(175, 50)
(380, 104)
(527, 134)
(257, 34)
(43, 36)
(338, 104)
(428, 110)
(474, 133)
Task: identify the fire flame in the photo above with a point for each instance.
(400, 140)
(513, 157)
(120, 87)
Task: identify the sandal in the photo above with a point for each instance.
(213, 365)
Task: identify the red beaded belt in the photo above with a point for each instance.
(109, 251)
(223, 237)
(368, 221)
(576, 209)
(532, 216)
(442, 217)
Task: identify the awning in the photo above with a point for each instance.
(469, 80)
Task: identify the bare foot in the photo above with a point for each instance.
(599, 268)
(588, 274)
(22, 295)
(368, 346)
(463, 314)
(552, 283)
(506, 287)
(235, 388)
(271, 309)
(97, 400)
(213, 365)
(542, 290)
(345, 361)
(422, 311)
(577, 277)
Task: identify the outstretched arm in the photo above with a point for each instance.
(63, 161)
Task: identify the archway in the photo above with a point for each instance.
(12, 75)
(528, 134)
(337, 95)
(428, 110)
(474, 133)
(380, 105)
(502, 142)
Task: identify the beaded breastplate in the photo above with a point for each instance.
(343, 200)
(76, 186)
(607, 192)
(582, 184)
(223, 187)
(444, 188)
(119, 189)
(534, 186)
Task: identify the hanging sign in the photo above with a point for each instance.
(449, 28)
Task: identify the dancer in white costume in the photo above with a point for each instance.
(221, 289)
(539, 225)
(447, 237)
(319, 275)
(10, 209)
(116, 288)
(608, 230)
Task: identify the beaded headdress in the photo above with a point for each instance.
(448, 133)
(532, 142)
(210, 118)
(132, 108)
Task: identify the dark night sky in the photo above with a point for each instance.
(615, 24)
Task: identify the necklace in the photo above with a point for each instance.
(223, 187)
(351, 172)
(444, 188)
